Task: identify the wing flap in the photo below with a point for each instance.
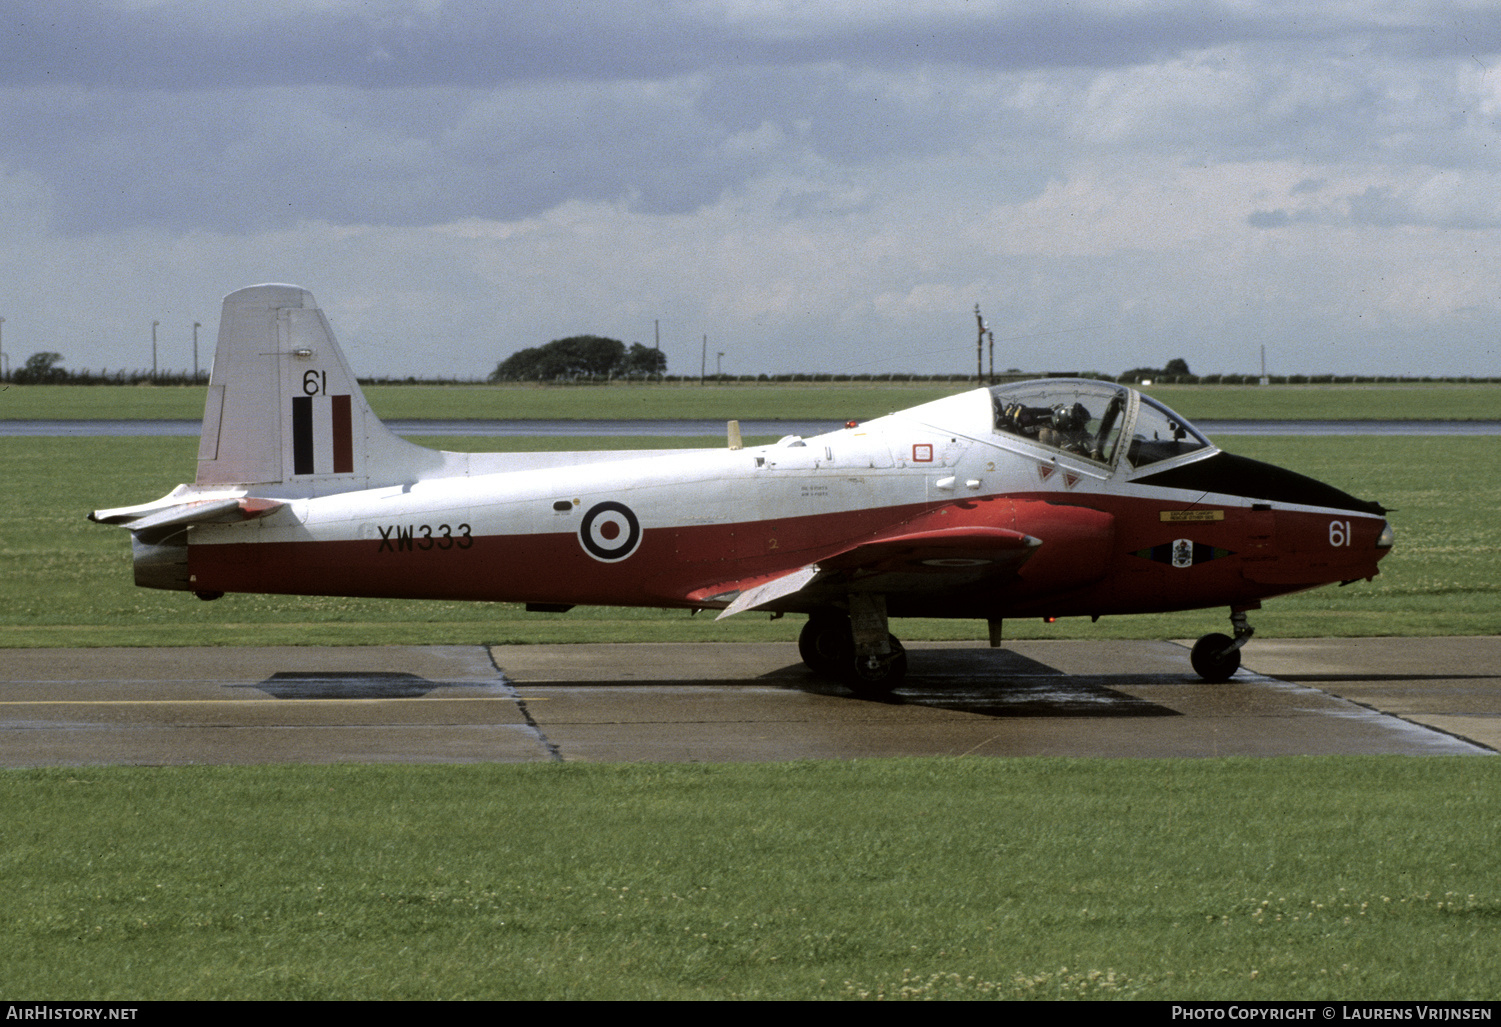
(759, 595)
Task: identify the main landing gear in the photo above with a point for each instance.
(1216, 657)
(856, 648)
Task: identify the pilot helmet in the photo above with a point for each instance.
(1070, 418)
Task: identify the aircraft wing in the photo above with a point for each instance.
(921, 561)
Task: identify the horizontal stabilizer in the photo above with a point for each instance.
(153, 521)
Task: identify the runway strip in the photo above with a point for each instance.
(727, 701)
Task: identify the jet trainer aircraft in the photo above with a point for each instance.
(1048, 498)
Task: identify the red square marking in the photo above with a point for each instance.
(922, 452)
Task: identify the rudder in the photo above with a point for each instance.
(283, 407)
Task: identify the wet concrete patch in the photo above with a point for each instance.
(989, 664)
(295, 684)
(1003, 683)
(1063, 698)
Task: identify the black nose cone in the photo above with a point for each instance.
(1231, 475)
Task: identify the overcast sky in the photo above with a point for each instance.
(817, 186)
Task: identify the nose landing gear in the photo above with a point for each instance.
(1216, 657)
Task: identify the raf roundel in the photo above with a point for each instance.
(610, 532)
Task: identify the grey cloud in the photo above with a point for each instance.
(251, 159)
(248, 159)
(1441, 202)
(236, 118)
(894, 156)
(469, 45)
(1269, 219)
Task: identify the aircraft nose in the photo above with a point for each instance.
(1231, 475)
(1387, 538)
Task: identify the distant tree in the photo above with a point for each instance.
(579, 356)
(590, 356)
(644, 362)
(41, 369)
(1176, 368)
(521, 364)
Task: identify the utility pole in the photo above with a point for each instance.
(719, 365)
(153, 349)
(656, 327)
(4, 371)
(196, 326)
(703, 363)
(980, 348)
(990, 335)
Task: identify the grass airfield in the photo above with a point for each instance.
(1335, 877)
(835, 401)
(1329, 878)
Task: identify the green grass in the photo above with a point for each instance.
(1352, 878)
(68, 582)
(837, 402)
(833, 401)
(1397, 401)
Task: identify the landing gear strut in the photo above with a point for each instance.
(1216, 657)
(857, 649)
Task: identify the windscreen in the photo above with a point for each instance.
(1159, 434)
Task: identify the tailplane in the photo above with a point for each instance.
(284, 408)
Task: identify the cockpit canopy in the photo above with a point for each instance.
(1092, 420)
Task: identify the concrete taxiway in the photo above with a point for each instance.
(719, 702)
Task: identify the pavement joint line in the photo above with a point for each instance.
(1407, 719)
(554, 754)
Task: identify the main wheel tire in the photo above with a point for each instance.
(826, 645)
(865, 679)
(1210, 660)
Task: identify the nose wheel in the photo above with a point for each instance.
(1216, 657)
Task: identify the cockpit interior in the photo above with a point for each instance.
(1099, 421)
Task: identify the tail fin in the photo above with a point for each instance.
(284, 408)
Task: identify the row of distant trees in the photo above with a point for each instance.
(1157, 378)
(587, 357)
(41, 369)
(1174, 370)
(47, 369)
(580, 361)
